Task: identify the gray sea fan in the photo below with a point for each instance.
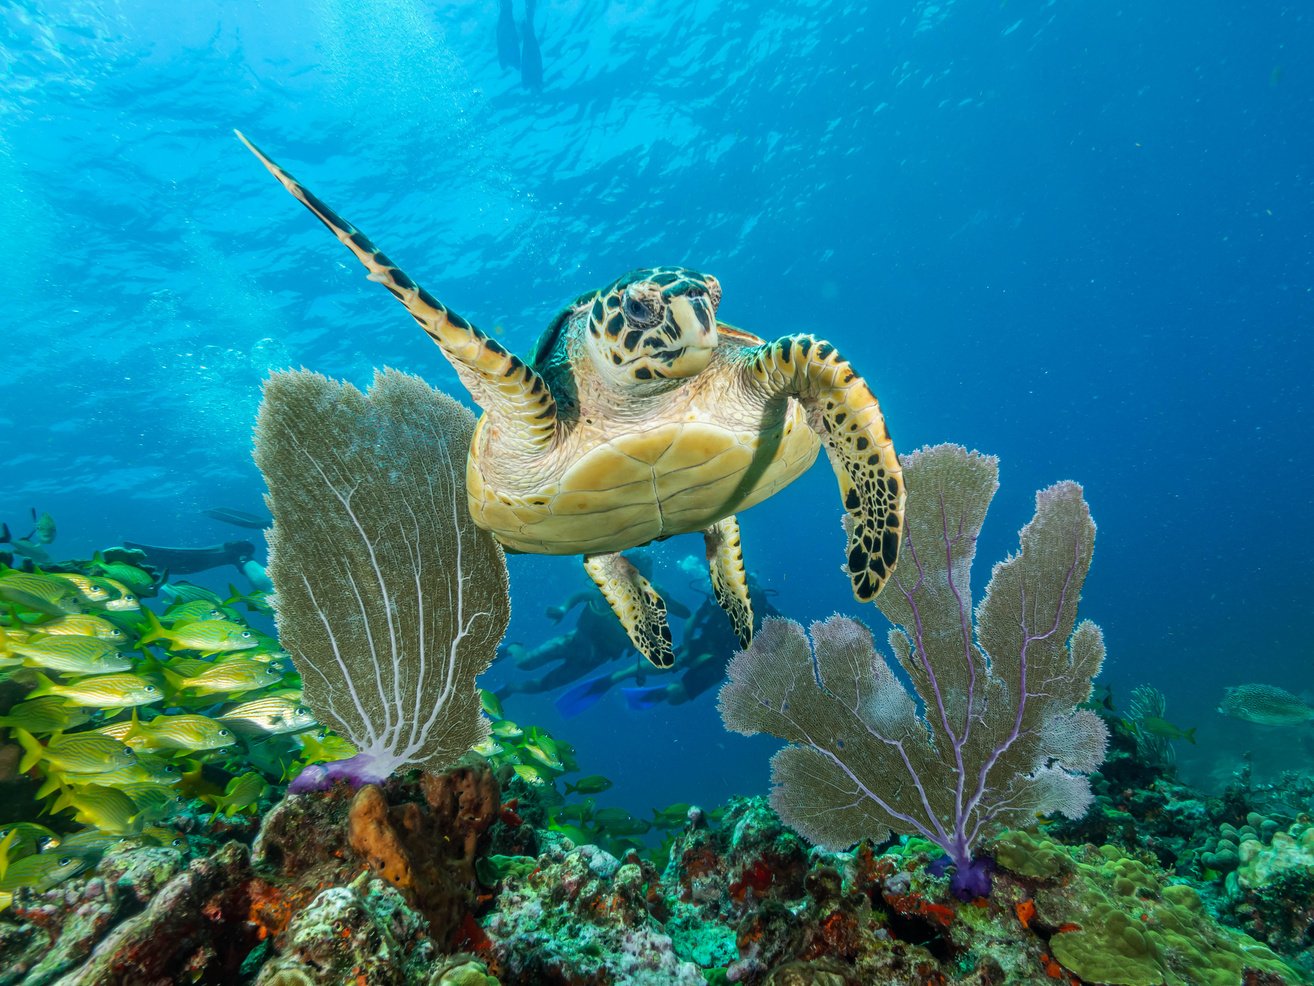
(388, 597)
(993, 734)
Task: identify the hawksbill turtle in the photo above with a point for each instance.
(640, 416)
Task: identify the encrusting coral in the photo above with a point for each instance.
(428, 851)
(1115, 919)
(389, 598)
(1001, 738)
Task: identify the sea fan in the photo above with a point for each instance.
(388, 597)
(996, 736)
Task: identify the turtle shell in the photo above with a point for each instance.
(609, 487)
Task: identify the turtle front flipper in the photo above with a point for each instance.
(637, 605)
(844, 411)
(499, 381)
(725, 560)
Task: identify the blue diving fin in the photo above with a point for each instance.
(575, 700)
(644, 698)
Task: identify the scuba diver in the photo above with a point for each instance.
(597, 638)
(186, 561)
(708, 638)
(239, 554)
(519, 49)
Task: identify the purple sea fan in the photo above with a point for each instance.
(990, 734)
(388, 597)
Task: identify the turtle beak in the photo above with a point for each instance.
(695, 321)
(695, 338)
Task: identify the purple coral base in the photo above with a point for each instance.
(969, 880)
(357, 771)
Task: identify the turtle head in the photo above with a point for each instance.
(658, 323)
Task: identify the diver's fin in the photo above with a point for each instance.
(639, 699)
(583, 696)
(637, 605)
(239, 518)
(531, 58)
(508, 40)
(725, 561)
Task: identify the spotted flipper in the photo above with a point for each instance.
(725, 560)
(846, 414)
(499, 381)
(637, 605)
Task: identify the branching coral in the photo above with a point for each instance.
(388, 597)
(998, 736)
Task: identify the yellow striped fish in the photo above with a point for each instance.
(270, 715)
(107, 808)
(72, 655)
(205, 636)
(51, 596)
(105, 691)
(231, 676)
(45, 715)
(83, 753)
(86, 625)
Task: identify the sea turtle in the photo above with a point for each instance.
(640, 416)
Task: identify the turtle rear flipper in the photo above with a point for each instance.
(725, 560)
(844, 411)
(499, 381)
(637, 605)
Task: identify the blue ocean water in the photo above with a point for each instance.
(1075, 235)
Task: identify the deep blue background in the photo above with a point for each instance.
(1074, 235)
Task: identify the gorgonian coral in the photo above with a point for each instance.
(990, 734)
(388, 597)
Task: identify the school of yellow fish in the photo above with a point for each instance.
(128, 717)
(132, 716)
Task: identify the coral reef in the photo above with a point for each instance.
(743, 901)
(429, 850)
(191, 928)
(1115, 919)
(363, 932)
(582, 917)
(1270, 889)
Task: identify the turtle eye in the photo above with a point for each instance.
(637, 310)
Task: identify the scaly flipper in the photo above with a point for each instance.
(501, 383)
(725, 559)
(637, 605)
(848, 418)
